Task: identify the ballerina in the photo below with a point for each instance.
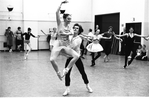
(95, 46)
(62, 44)
(108, 43)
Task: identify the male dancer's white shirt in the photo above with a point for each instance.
(75, 43)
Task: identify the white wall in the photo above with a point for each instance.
(128, 9)
(12, 19)
(146, 23)
(40, 14)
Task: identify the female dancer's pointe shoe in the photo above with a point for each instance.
(89, 89)
(59, 75)
(67, 91)
(65, 71)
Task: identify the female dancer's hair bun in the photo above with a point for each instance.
(62, 11)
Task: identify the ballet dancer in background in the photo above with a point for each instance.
(62, 44)
(76, 42)
(53, 38)
(27, 41)
(95, 46)
(48, 37)
(88, 41)
(129, 40)
(108, 43)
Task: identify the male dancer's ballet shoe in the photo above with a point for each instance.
(59, 75)
(67, 91)
(89, 89)
(65, 71)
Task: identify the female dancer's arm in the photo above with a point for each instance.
(118, 38)
(145, 37)
(44, 32)
(58, 15)
(106, 37)
(123, 35)
(59, 23)
(86, 37)
(34, 36)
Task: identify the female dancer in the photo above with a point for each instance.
(76, 42)
(108, 43)
(89, 41)
(27, 42)
(95, 46)
(129, 40)
(53, 38)
(63, 43)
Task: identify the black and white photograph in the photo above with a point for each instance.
(74, 48)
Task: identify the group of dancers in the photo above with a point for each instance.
(66, 41)
(68, 44)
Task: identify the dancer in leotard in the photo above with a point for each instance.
(129, 40)
(108, 43)
(27, 42)
(63, 43)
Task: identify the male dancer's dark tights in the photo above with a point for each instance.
(127, 53)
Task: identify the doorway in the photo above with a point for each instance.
(106, 20)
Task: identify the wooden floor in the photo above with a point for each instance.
(35, 77)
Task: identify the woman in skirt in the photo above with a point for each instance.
(62, 44)
(95, 46)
